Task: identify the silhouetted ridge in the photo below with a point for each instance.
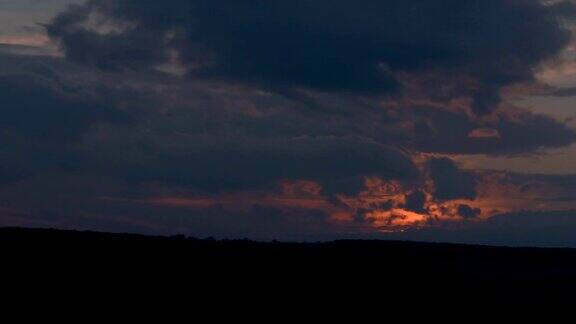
(404, 270)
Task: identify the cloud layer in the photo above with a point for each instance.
(274, 119)
(333, 46)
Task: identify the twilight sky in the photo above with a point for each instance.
(444, 120)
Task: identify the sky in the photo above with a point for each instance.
(447, 120)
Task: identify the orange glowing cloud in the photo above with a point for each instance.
(383, 206)
(36, 40)
(484, 133)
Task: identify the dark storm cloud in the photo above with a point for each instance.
(513, 132)
(75, 135)
(34, 108)
(468, 212)
(41, 119)
(564, 92)
(564, 8)
(416, 201)
(195, 138)
(215, 165)
(449, 181)
(59, 118)
(334, 46)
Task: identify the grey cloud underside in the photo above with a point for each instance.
(333, 46)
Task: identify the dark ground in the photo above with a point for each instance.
(361, 273)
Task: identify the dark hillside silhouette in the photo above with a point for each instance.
(426, 271)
